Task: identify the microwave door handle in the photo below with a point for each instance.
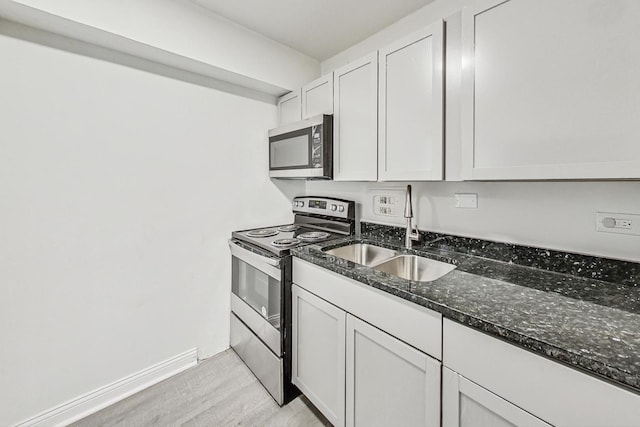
(270, 266)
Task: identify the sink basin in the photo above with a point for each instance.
(417, 268)
(362, 253)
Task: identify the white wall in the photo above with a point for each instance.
(556, 215)
(173, 32)
(413, 22)
(118, 191)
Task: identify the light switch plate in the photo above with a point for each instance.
(609, 222)
(466, 200)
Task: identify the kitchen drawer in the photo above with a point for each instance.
(416, 325)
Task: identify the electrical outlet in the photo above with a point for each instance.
(609, 222)
(385, 205)
(388, 203)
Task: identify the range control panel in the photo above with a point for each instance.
(324, 206)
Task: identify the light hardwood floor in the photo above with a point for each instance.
(220, 391)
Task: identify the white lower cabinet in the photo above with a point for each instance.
(466, 404)
(318, 365)
(367, 358)
(485, 378)
(389, 383)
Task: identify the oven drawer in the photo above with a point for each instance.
(258, 324)
(265, 365)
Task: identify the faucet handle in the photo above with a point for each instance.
(415, 234)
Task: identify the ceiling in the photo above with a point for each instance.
(317, 28)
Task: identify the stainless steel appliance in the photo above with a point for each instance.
(261, 286)
(303, 149)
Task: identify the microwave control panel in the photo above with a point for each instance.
(316, 146)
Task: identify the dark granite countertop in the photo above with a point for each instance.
(579, 310)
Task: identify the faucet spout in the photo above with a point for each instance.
(412, 234)
(408, 209)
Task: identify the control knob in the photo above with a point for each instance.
(334, 207)
(340, 208)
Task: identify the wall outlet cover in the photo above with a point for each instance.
(619, 223)
(466, 200)
(388, 204)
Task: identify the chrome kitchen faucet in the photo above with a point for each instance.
(412, 233)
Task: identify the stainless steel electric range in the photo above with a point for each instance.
(261, 287)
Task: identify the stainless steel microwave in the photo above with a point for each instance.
(303, 149)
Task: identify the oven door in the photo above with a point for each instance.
(256, 287)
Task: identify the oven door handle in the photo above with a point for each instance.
(270, 266)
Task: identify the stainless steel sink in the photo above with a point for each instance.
(417, 268)
(363, 253)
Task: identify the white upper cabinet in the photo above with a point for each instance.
(410, 107)
(551, 89)
(453, 105)
(289, 108)
(355, 123)
(317, 97)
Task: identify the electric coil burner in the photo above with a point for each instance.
(261, 286)
(291, 227)
(266, 232)
(285, 243)
(313, 236)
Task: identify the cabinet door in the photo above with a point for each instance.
(410, 121)
(466, 404)
(388, 382)
(318, 365)
(355, 124)
(317, 97)
(290, 108)
(551, 89)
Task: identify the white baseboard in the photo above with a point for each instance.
(87, 404)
